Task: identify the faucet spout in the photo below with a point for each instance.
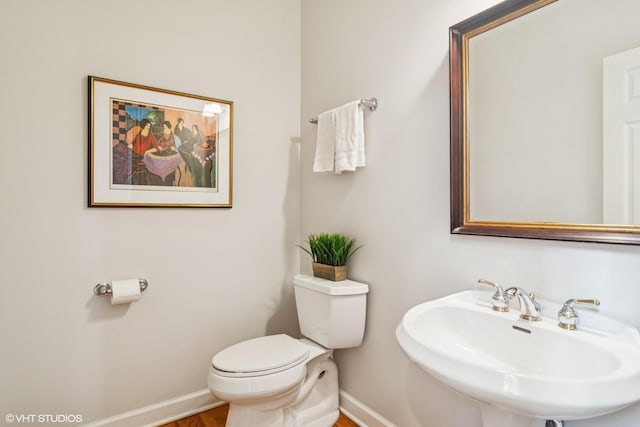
(529, 307)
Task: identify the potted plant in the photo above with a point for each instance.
(330, 254)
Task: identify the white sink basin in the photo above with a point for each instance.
(535, 369)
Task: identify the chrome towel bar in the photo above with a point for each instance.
(371, 103)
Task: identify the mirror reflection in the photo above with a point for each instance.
(536, 114)
(547, 116)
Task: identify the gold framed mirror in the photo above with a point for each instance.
(532, 123)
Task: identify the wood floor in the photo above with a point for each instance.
(216, 417)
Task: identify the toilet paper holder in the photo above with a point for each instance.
(104, 288)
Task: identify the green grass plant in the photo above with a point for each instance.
(331, 249)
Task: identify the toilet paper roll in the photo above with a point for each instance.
(125, 291)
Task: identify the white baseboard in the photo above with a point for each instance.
(202, 400)
(163, 412)
(360, 413)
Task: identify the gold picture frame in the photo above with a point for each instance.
(153, 147)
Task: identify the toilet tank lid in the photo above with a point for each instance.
(345, 287)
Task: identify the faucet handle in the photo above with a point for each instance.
(567, 316)
(500, 303)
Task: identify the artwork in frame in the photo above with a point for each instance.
(156, 147)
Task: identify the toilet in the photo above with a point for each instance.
(281, 381)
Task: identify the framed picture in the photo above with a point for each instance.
(156, 147)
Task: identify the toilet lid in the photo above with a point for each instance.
(269, 354)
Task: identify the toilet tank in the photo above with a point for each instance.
(331, 313)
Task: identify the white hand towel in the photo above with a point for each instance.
(349, 125)
(340, 141)
(325, 144)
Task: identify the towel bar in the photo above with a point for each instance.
(104, 288)
(371, 103)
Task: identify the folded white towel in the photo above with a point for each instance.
(340, 144)
(325, 144)
(349, 153)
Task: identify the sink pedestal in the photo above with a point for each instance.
(494, 417)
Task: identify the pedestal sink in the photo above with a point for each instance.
(531, 370)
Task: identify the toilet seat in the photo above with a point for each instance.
(260, 356)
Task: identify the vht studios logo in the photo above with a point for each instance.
(43, 418)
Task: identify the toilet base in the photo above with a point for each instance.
(318, 409)
(245, 416)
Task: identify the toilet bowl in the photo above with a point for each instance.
(280, 381)
(268, 394)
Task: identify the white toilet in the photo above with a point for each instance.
(281, 381)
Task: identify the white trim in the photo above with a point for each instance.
(163, 412)
(360, 413)
(202, 400)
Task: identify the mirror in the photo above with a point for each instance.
(545, 114)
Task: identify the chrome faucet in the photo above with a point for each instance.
(567, 316)
(529, 307)
(499, 301)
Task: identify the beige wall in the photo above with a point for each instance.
(215, 275)
(398, 205)
(220, 276)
